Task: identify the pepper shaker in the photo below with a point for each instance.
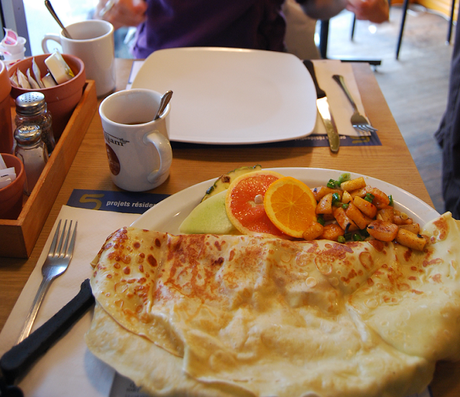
(32, 151)
(31, 109)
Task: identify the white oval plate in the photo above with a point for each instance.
(168, 215)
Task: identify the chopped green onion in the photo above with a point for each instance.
(344, 177)
(357, 237)
(391, 200)
(335, 197)
(320, 219)
(341, 239)
(332, 184)
(348, 236)
(344, 206)
(369, 197)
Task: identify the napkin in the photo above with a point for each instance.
(68, 368)
(339, 105)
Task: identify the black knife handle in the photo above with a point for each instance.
(309, 65)
(16, 361)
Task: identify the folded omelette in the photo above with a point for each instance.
(208, 315)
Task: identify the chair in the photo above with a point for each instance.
(323, 38)
(451, 22)
(403, 22)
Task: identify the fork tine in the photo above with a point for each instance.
(71, 246)
(52, 249)
(61, 240)
(63, 252)
(365, 127)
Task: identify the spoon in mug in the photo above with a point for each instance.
(56, 18)
(163, 103)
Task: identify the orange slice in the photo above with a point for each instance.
(245, 205)
(290, 205)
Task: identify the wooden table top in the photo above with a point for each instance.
(390, 162)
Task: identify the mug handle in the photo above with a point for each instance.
(164, 149)
(46, 38)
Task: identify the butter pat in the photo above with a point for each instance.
(58, 68)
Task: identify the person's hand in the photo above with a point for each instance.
(376, 11)
(122, 13)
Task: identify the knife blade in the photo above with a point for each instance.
(323, 109)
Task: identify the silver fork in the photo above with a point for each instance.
(358, 121)
(56, 263)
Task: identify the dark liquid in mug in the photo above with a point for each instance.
(137, 122)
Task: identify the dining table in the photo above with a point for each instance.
(390, 161)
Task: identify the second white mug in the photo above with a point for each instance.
(93, 42)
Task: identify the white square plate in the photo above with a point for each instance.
(232, 96)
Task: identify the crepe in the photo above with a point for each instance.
(201, 315)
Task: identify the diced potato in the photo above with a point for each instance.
(346, 197)
(412, 227)
(344, 221)
(386, 214)
(358, 192)
(354, 184)
(332, 231)
(402, 219)
(357, 216)
(314, 231)
(320, 191)
(383, 231)
(324, 205)
(410, 240)
(328, 217)
(366, 207)
(381, 200)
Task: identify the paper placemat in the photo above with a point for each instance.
(68, 368)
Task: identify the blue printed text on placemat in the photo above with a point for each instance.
(117, 201)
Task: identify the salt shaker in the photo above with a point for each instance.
(32, 151)
(31, 109)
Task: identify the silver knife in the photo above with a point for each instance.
(323, 109)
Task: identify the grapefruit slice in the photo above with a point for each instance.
(244, 203)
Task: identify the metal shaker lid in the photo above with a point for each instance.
(30, 103)
(27, 134)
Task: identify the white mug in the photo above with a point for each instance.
(138, 147)
(92, 41)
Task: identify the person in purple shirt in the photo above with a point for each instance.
(254, 24)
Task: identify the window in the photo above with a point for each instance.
(32, 20)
